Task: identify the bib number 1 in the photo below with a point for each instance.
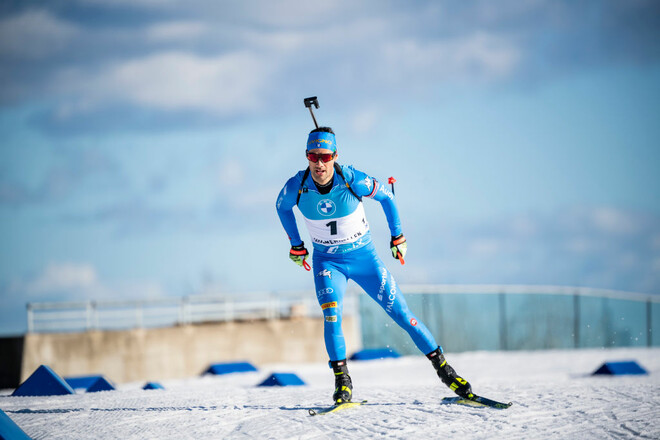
(333, 227)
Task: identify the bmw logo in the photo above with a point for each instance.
(326, 207)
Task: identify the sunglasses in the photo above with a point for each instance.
(325, 157)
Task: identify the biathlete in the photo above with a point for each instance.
(329, 196)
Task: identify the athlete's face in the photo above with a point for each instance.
(322, 172)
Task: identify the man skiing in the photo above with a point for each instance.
(329, 196)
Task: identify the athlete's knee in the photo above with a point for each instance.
(399, 312)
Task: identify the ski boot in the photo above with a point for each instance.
(343, 385)
(448, 375)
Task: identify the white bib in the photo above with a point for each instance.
(339, 231)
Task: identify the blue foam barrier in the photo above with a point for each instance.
(282, 380)
(230, 367)
(101, 384)
(374, 353)
(153, 386)
(10, 430)
(43, 382)
(77, 382)
(620, 368)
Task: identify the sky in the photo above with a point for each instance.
(143, 143)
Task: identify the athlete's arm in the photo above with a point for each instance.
(366, 186)
(286, 200)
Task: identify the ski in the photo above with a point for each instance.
(334, 408)
(477, 401)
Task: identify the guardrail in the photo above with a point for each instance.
(517, 317)
(461, 317)
(194, 309)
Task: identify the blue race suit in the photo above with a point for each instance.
(343, 250)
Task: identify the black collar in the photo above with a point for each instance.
(324, 189)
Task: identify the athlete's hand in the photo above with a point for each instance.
(299, 255)
(399, 247)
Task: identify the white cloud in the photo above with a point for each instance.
(138, 290)
(257, 198)
(63, 277)
(240, 80)
(614, 221)
(181, 69)
(231, 174)
(34, 34)
(69, 281)
(225, 85)
(579, 245)
(353, 48)
(472, 57)
(597, 246)
(365, 120)
(524, 226)
(485, 247)
(281, 41)
(175, 31)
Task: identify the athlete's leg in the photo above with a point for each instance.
(379, 283)
(330, 285)
(372, 275)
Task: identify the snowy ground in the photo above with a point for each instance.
(553, 393)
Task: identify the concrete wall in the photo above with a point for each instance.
(182, 351)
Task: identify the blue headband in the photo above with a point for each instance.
(322, 139)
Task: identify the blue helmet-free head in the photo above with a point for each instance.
(322, 137)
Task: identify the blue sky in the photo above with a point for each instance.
(143, 143)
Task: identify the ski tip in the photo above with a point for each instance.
(477, 402)
(333, 408)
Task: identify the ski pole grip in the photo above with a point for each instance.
(312, 100)
(391, 181)
(309, 102)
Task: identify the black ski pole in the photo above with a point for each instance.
(391, 181)
(308, 103)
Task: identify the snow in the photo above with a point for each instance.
(554, 397)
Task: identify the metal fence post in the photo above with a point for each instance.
(649, 324)
(184, 311)
(95, 316)
(30, 318)
(138, 315)
(229, 312)
(576, 320)
(503, 324)
(88, 315)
